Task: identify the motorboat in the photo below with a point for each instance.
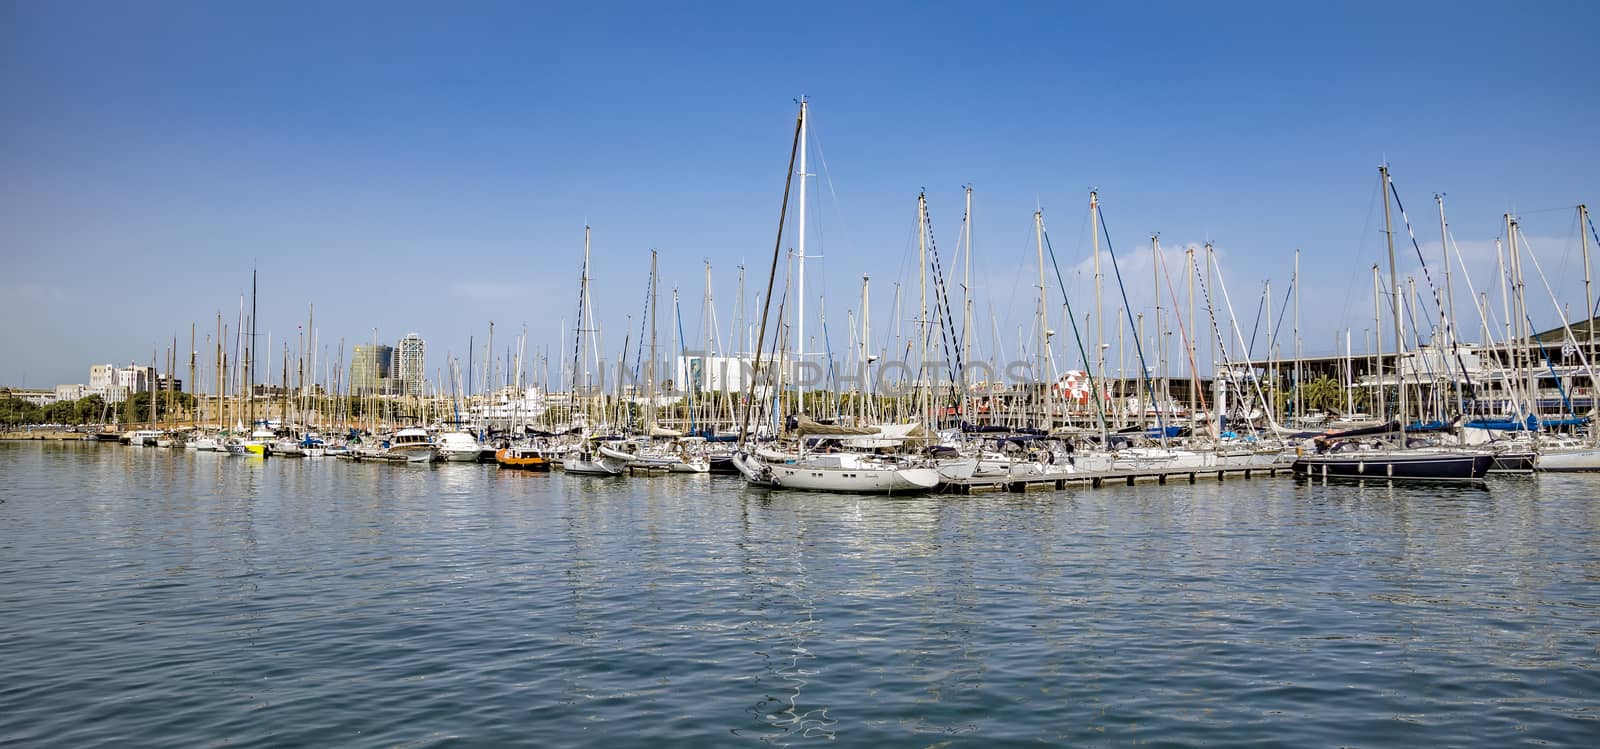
(412, 445)
(459, 447)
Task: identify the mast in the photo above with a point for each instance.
(250, 393)
(922, 311)
(194, 387)
(1394, 292)
(152, 379)
(1161, 350)
(866, 358)
(1298, 353)
(1377, 354)
(1194, 385)
(222, 385)
(966, 312)
(1099, 316)
(1588, 293)
(1271, 364)
(800, 279)
(1449, 313)
(1043, 402)
(777, 247)
(650, 370)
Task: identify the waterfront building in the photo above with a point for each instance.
(409, 369)
(102, 375)
(109, 393)
(370, 369)
(135, 377)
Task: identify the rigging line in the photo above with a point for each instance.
(1594, 310)
(1238, 334)
(677, 311)
(777, 246)
(1277, 327)
(577, 338)
(1582, 355)
(1095, 393)
(1361, 243)
(1250, 351)
(1183, 335)
(1544, 353)
(1438, 298)
(942, 314)
(1138, 347)
(833, 380)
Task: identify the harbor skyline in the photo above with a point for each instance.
(439, 177)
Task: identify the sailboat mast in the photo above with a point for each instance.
(922, 311)
(1588, 293)
(1377, 354)
(1044, 333)
(1298, 414)
(966, 313)
(1394, 292)
(866, 357)
(250, 393)
(1448, 315)
(1099, 311)
(650, 370)
(1194, 324)
(194, 386)
(800, 276)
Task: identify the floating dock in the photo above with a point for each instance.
(1098, 479)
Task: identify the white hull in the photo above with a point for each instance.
(451, 455)
(592, 466)
(1570, 460)
(205, 444)
(854, 480)
(414, 453)
(957, 469)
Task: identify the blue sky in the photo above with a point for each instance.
(429, 167)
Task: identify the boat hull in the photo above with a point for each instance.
(1570, 461)
(594, 466)
(505, 459)
(854, 480)
(1518, 462)
(1390, 467)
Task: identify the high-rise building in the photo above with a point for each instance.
(409, 364)
(369, 369)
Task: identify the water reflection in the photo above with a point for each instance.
(216, 596)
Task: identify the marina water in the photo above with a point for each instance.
(162, 597)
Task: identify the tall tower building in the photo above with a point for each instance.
(409, 361)
(369, 369)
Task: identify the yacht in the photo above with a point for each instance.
(459, 447)
(413, 445)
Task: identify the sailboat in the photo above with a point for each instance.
(1356, 459)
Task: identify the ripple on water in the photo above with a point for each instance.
(158, 597)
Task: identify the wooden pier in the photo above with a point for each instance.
(1098, 479)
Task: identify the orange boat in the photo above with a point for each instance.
(521, 458)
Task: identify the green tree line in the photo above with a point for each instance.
(15, 411)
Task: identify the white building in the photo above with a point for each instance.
(70, 392)
(409, 356)
(102, 375)
(721, 374)
(109, 393)
(135, 377)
